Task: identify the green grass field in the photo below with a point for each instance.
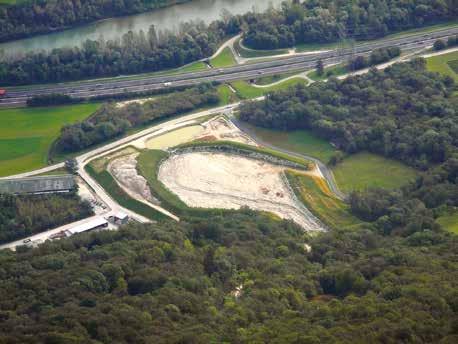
(315, 194)
(226, 96)
(317, 46)
(449, 222)
(224, 59)
(363, 170)
(26, 134)
(246, 91)
(193, 67)
(443, 64)
(299, 141)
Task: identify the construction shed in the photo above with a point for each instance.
(97, 223)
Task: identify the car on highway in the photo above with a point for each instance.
(25, 241)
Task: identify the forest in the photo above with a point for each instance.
(324, 21)
(177, 283)
(111, 120)
(22, 216)
(296, 23)
(33, 17)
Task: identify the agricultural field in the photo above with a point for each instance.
(446, 64)
(224, 59)
(26, 134)
(299, 141)
(363, 170)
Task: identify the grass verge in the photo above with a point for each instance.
(317, 197)
(226, 96)
(246, 91)
(224, 59)
(443, 64)
(27, 134)
(336, 70)
(364, 170)
(267, 80)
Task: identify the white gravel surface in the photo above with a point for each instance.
(124, 170)
(216, 180)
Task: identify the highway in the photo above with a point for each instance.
(296, 62)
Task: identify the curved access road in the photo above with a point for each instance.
(325, 171)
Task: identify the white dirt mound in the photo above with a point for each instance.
(124, 170)
(216, 180)
(222, 129)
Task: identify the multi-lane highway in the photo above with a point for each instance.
(297, 62)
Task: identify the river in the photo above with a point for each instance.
(164, 19)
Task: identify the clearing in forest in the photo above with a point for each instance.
(364, 170)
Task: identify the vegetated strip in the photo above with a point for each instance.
(106, 180)
(250, 151)
(316, 196)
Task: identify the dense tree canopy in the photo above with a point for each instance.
(328, 21)
(177, 283)
(21, 216)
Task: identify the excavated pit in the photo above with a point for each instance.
(226, 181)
